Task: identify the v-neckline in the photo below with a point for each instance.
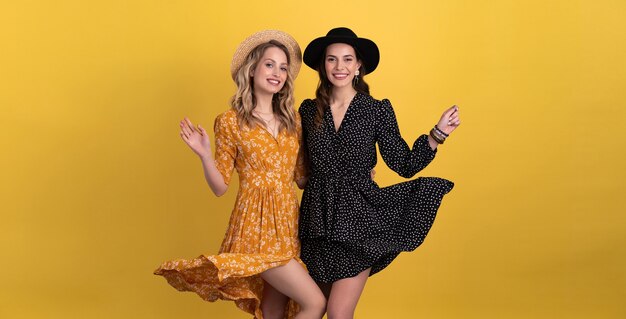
(336, 130)
(267, 131)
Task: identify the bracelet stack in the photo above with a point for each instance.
(438, 135)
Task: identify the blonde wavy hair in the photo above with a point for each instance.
(244, 101)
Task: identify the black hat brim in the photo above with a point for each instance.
(366, 50)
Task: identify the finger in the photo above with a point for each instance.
(201, 129)
(183, 129)
(455, 111)
(183, 122)
(183, 125)
(454, 115)
(203, 133)
(188, 131)
(183, 136)
(449, 111)
(189, 124)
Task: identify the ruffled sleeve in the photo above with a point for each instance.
(394, 149)
(225, 146)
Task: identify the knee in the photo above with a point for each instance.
(320, 304)
(338, 312)
(317, 305)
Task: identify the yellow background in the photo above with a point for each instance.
(97, 189)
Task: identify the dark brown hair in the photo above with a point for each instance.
(325, 88)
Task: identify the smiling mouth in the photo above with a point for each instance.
(273, 82)
(340, 76)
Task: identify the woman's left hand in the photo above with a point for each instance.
(450, 120)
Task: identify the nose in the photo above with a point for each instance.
(276, 72)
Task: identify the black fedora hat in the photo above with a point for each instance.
(366, 49)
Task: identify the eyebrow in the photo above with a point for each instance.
(334, 56)
(270, 59)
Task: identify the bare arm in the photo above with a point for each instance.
(301, 173)
(198, 140)
(213, 177)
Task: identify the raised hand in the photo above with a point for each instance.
(196, 138)
(450, 120)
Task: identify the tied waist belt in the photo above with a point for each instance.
(265, 179)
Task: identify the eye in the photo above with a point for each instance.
(330, 59)
(284, 69)
(269, 65)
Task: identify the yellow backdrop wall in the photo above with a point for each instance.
(97, 190)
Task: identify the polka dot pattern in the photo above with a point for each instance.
(347, 222)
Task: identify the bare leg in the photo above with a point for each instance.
(325, 288)
(293, 281)
(345, 294)
(273, 303)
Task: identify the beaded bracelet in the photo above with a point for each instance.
(438, 138)
(440, 134)
(440, 131)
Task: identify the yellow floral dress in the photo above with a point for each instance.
(263, 228)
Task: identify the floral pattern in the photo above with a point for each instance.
(263, 228)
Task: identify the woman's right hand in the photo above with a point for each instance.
(196, 138)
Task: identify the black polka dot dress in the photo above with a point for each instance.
(347, 222)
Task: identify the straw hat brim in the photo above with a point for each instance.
(251, 42)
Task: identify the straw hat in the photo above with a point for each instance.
(295, 55)
(365, 48)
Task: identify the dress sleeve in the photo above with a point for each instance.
(394, 149)
(301, 170)
(225, 147)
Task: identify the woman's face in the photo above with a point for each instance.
(270, 73)
(341, 64)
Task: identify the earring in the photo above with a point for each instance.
(356, 77)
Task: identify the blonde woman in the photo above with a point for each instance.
(258, 265)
